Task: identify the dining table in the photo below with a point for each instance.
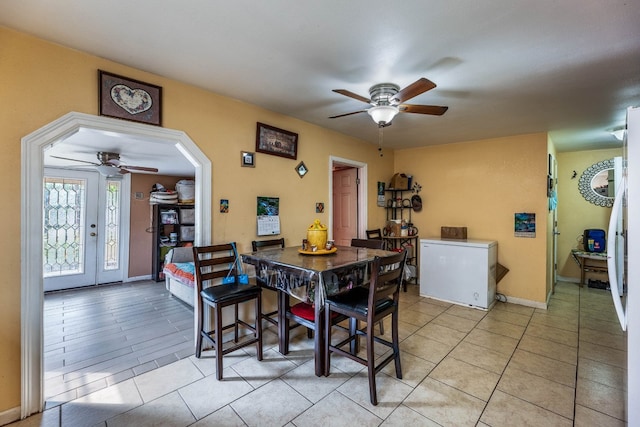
(311, 277)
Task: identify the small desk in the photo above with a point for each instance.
(311, 278)
(595, 262)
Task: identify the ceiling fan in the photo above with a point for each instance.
(110, 164)
(387, 100)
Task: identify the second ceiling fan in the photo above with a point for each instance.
(387, 100)
(110, 164)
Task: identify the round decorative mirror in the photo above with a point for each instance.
(596, 184)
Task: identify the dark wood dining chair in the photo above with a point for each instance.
(301, 314)
(213, 264)
(368, 243)
(371, 244)
(256, 245)
(374, 234)
(371, 306)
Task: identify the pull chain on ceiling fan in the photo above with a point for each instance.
(387, 100)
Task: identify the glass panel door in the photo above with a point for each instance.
(82, 229)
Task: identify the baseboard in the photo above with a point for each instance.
(9, 416)
(526, 302)
(567, 279)
(137, 279)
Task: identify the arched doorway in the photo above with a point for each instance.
(32, 167)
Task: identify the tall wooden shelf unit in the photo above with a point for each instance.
(398, 208)
(167, 220)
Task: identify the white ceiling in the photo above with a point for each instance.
(134, 151)
(504, 67)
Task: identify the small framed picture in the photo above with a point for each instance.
(301, 169)
(129, 99)
(248, 159)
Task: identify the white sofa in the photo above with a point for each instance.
(179, 274)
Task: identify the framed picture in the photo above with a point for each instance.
(301, 169)
(525, 224)
(271, 140)
(247, 159)
(129, 99)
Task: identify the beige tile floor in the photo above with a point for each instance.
(511, 366)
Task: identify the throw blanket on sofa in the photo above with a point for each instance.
(183, 272)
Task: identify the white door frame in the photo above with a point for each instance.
(362, 193)
(31, 171)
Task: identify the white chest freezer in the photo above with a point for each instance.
(459, 271)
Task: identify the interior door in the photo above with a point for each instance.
(81, 229)
(345, 206)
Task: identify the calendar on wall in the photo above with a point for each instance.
(268, 216)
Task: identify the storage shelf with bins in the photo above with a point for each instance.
(173, 225)
(400, 208)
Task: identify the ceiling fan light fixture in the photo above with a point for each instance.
(107, 170)
(618, 133)
(383, 114)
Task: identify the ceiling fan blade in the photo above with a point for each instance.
(348, 114)
(76, 160)
(414, 89)
(352, 95)
(434, 110)
(138, 168)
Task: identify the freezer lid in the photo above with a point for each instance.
(467, 243)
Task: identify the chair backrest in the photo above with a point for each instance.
(214, 262)
(386, 278)
(368, 243)
(374, 234)
(261, 244)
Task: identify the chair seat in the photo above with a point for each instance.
(356, 300)
(306, 311)
(220, 293)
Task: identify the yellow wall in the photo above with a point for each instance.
(575, 214)
(41, 82)
(481, 185)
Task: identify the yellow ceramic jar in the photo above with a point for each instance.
(317, 235)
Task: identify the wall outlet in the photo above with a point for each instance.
(138, 195)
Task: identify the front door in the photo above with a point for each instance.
(345, 206)
(81, 229)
